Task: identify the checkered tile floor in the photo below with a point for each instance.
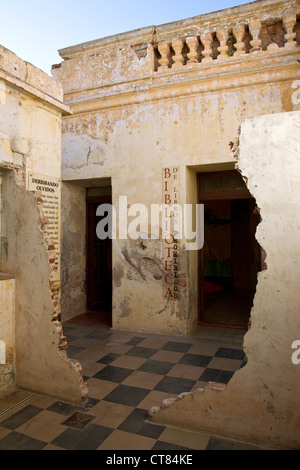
(127, 373)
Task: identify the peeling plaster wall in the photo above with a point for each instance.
(7, 325)
(30, 119)
(132, 147)
(7, 334)
(31, 109)
(40, 365)
(110, 60)
(130, 121)
(73, 276)
(260, 403)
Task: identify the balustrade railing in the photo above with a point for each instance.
(222, 44)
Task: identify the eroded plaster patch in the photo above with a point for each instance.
(88, 151)
(37, 309)
(258, 403)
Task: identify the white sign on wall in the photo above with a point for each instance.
(50, 189)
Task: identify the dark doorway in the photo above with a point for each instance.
(99, 259)
(231, 257)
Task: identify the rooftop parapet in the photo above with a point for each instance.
(255, 30)
(31, 80)
(259, 28)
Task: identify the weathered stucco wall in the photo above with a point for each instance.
(136, 114)
(7, 337)
(31, 110)
(73, 277)
(260, 403)
(30, 163)
(41, 363)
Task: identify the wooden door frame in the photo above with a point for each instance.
(244, 193)
(101, 199)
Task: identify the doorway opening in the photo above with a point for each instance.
(231, 256)
(98, 260)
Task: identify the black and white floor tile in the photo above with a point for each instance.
(127, 373)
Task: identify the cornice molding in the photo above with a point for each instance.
(175, 85)
(30, 90)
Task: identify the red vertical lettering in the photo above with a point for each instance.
(169, 293)
(168, 265)
(167, 199)
(167, 173)
(169, 250)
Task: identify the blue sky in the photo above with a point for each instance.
(36, 29)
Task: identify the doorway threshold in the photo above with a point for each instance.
(221, 325)
(93, 318)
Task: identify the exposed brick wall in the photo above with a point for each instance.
(272, 32)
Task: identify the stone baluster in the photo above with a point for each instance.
(207, 51)
(239, 32)
(289, 23)
(255, 27)
(178, 57)
(223, 48)
(164, 61)
(193, 55)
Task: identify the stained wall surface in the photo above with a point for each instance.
(260, 403)
(167, 97)
(30, 163)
